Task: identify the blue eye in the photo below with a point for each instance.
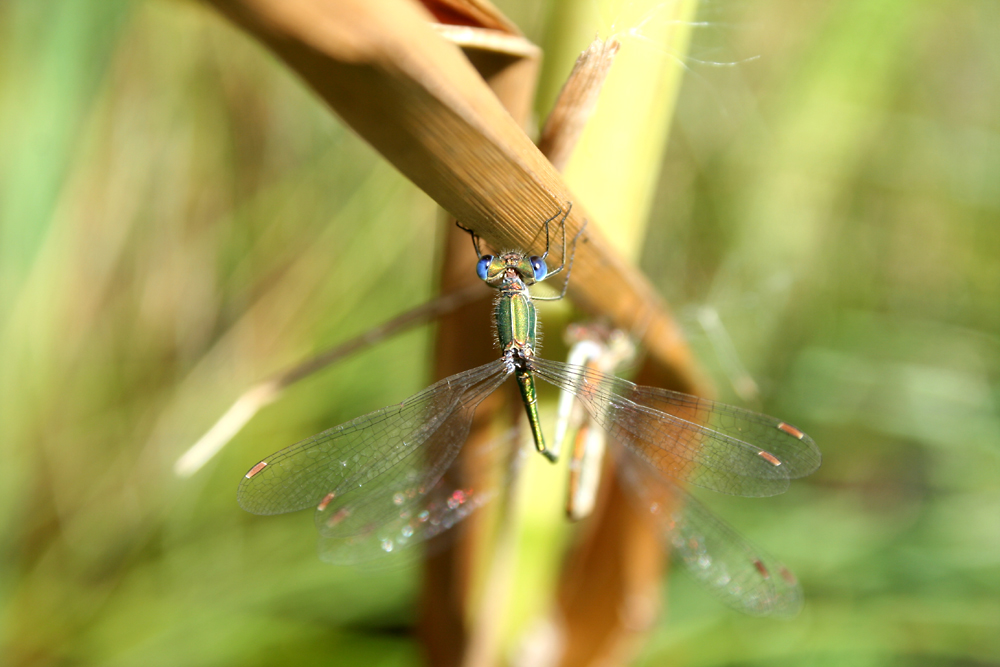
(483, 266)
(539, 267)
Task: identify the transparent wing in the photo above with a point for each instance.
(737, 572)
(349, 470)
(411, 516)
(708, 444)
(412, 521)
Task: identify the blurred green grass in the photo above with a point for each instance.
(179, 218)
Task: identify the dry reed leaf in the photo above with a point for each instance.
(420, 103)
(609, 594)
(576, 102)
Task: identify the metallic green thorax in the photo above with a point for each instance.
(517, 321)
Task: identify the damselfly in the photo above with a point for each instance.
(375, 482)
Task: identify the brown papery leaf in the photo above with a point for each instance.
(417, 99)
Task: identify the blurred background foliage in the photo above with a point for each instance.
(179, 217)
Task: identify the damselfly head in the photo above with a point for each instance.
(511, 267)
